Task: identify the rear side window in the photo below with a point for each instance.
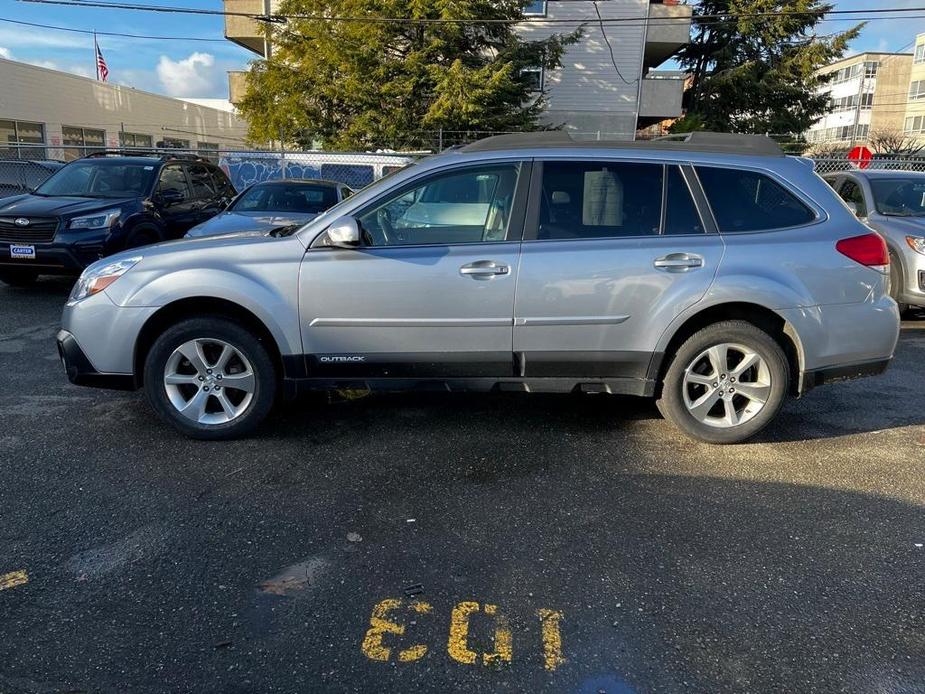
(582, 200)
(749, 201)
(201, 180)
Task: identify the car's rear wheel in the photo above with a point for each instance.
(18, 278)
(210, 378)
(725, 383)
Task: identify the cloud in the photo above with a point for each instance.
(196, 75)
(74, 69)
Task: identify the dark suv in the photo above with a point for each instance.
(100, 205)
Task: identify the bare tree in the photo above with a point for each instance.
(893, 141)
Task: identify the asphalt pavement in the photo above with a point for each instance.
(435, 543)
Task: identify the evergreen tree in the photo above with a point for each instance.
(753, 71)
(364, 84)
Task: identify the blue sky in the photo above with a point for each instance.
(197, 69)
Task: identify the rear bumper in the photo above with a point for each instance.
(82, 373)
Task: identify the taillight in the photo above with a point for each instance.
(869, 250)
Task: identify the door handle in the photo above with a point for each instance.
(484, 269)
(678, 262)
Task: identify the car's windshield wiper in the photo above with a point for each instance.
(286, 231)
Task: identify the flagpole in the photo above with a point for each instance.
(96, 60)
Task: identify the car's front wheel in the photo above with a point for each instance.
(18, 278)
(210, 378)
(725, 383)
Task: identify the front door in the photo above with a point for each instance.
(430, 294)
(613, 251)
(176, 204)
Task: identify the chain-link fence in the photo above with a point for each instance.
(901, 163)
(244, 167)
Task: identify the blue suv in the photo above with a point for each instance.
(103, 204)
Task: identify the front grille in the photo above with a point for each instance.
(39, 230)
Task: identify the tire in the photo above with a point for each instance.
(142, 237)
(226, 412)
(896, 283)
(18, 278)
(688, 384)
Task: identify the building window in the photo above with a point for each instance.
(16, 132)
(208, 150)
(870, 70)
(917, 90)
(135, 140)
(920, 53)
(915, 124)
(536, 8)
(173, 143)
(533, 77)
(79, 142)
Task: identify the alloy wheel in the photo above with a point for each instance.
(209, 381)
(726, 385)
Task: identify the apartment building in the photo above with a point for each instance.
(50, 114)
(866, 95)
(607, 86)
(914, 122)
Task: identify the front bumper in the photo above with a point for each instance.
(82, 373)
(68, 254)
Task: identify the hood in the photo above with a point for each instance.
(913, 226)
(231, 222)
(39, 206)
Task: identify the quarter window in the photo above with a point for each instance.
(749, 201)
(469, 206)
(582, 200)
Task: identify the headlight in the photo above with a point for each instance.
(97, 220)
(96, 279)
(916, 243)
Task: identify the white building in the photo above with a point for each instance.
(867, 94)
(47, 113)
(604, 88)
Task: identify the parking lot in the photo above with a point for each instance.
(447, 542)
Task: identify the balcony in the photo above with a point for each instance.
(662, 93)
(237, 86)
(669, 30)
(245, 31)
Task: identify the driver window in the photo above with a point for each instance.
(173, 178)
(468, 206)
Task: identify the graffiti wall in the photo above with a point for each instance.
(356, 170)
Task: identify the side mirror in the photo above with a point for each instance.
(344, 232)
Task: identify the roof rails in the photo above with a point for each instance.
(142, 153)
(725, 143)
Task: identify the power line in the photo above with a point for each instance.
(875, 13)
(109, 33)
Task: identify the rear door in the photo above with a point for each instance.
(613, 251)
(430, 294)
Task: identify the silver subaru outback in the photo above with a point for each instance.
(713, 273)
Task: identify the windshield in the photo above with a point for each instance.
(281, 197)
(99, 178)
(899, 197)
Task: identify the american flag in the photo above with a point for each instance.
(102, 72)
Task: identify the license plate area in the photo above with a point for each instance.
(22, 251)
